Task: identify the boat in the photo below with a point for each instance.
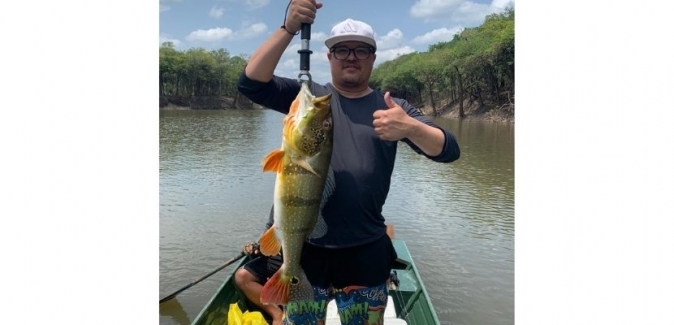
(407, 295)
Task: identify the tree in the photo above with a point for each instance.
(478, 62)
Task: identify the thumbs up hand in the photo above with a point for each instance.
(393, 123)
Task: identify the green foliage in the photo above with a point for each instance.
(478, 62)
(197, 72)
(399, 77)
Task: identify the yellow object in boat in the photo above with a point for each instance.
(236, 317)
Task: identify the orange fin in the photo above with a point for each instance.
(277, 289)
(283, 288)
(269, 244)
(273, 161)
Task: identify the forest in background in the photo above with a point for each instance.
(197, 77)
(476, 67)
(474, 73)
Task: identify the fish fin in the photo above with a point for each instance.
(273, 161)
(322, 101)
(282, 288)
(305, 164)
(288, 123)
(269, 244)
(321, 227)
(329, 186)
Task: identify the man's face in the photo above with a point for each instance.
(351, 63)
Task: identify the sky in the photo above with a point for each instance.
(240, 26)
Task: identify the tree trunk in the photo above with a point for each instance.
(461, 112)
(435, 110)
(420, 88)
(161, 84)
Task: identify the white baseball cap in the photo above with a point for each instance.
(351, 30)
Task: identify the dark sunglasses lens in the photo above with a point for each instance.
(341, 53)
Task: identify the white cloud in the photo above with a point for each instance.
(255, 4)
(322, 57)
(214, 35)
(216, 12)
(432, 9)
(502, 4)
(167, 38)
(392, 39)
(289, 64)
(438, 35)
(211, 35)
(457, 12)
(471, 13)
(250, 31)
(291, 49)
(165, 5)
(391, 54)
(319, 37)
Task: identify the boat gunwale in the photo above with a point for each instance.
(403, 264)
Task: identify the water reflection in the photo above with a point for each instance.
(457, 219)
(175, 311)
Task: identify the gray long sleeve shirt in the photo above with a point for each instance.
(362, 163)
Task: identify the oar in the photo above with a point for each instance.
(228, 263)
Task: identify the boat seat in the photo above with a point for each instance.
(390, 318)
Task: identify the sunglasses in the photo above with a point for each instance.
(343, 52)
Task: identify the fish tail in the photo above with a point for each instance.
(282, 288)
(277, 289)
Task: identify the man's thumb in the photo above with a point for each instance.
(389, 102)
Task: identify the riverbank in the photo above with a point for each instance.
(472, 110)
(204, 102)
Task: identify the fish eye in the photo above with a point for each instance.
(326, 124)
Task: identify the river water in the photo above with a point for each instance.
(457, 219)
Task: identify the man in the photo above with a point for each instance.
(352, 261)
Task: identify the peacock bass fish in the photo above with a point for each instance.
(301, 166)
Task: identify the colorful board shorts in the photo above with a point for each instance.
(355, 277)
